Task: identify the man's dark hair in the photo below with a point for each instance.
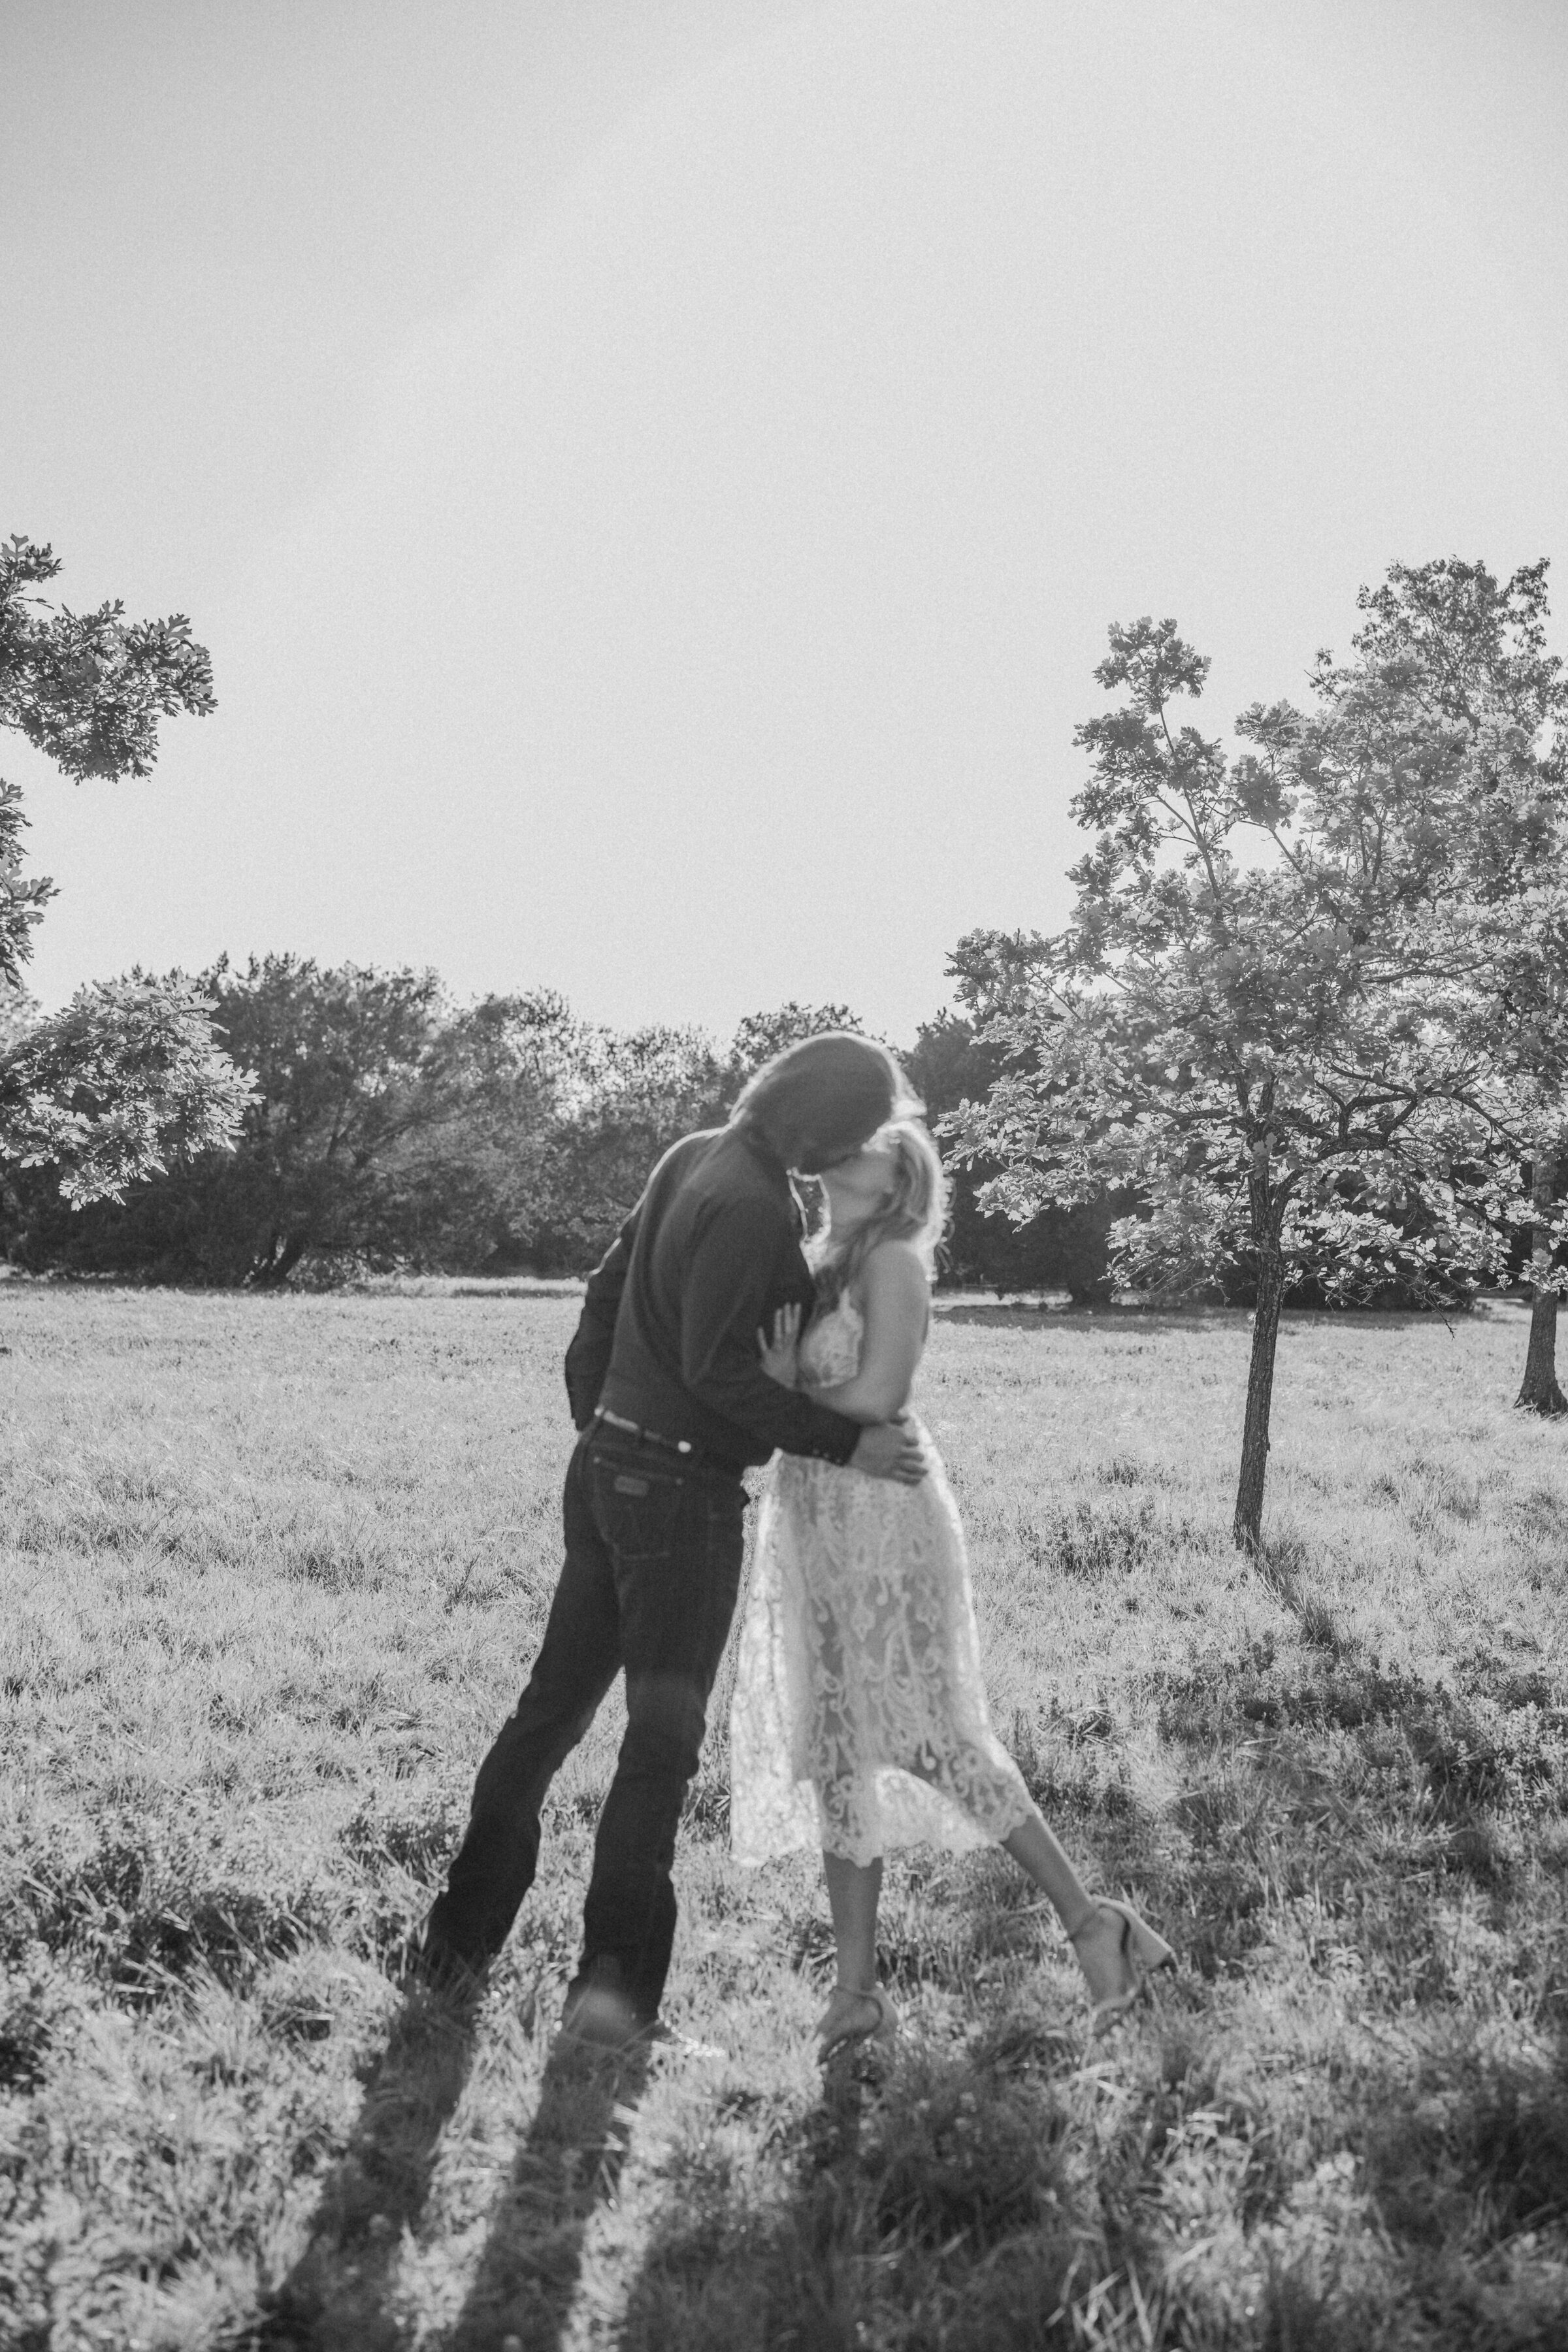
(822, 1097)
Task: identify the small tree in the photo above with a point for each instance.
(1471, 651)
(1265, 1052)
(130, 1071)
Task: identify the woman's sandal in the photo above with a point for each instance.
(843, 2030)
(1140, 1950)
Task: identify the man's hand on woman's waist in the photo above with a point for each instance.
(889, 1449)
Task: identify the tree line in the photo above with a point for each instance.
(1305, 1034)
(386, 1127)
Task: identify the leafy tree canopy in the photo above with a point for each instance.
(1473, 651)
(760, 1035)
(88, 690)
(130, 1071)
(951, 1066)
(1257, 1016)
(125, 1078)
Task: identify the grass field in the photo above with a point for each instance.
(272, 1572)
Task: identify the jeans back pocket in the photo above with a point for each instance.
(635, 1507)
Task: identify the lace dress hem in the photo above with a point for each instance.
(859, 1720)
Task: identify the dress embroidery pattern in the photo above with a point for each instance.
(859, 1719)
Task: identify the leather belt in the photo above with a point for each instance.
(680, 1446)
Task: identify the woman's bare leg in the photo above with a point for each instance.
(1035, 1850)
(857, 2008)
(1096, 1936)
(854, 1890)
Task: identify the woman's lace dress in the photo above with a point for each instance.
(859, 1719)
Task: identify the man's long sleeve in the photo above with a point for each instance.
(728, 1285)
(588, 1355)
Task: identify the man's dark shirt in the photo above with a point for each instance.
(669, 1332)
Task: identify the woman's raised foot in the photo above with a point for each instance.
(1117, 1952)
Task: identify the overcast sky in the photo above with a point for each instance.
(654, 475)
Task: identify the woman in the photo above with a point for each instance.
(859, 1715)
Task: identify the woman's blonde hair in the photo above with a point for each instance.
(915, 1210)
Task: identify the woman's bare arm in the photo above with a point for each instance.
(896, 1300)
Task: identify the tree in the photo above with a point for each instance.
(347, 1064)
(1268, 1052)
(87, 689)
(476, 1192)
(634, 1096)
(123, 1079)
(130, 1071)
(22, 898)
(949, 1067)
(1472, 652)
(342, 1068)
(760, 1035)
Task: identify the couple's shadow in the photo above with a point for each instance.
(568, 2167)
(338, 2298)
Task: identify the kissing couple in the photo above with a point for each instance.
(710, 1341)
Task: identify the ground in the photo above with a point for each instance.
(270, 1573)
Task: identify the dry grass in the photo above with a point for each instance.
(272, 1571)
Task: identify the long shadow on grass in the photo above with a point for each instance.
(1393, 2194)
(1459, 1770)
(1371, 1795)
(1382, 1813)
(335, 2296)
(879, 2210)
(568, 2167)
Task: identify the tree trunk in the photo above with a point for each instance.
(1540, 1393)
(281, 1262)
(1248, 1523)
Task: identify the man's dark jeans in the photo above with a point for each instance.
(653, 1566)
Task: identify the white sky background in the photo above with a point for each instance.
(654, 475)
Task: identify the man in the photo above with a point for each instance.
(668, 1390)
